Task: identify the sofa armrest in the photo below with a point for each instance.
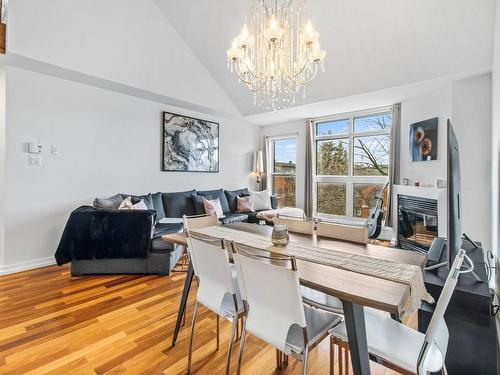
(274, 202)
(105, 234)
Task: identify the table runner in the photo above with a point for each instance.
(371, 266)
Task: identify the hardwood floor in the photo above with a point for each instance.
(51, 323)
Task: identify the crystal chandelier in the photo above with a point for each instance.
(277, 52)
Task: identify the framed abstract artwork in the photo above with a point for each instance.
(424, 140)
(189, 144)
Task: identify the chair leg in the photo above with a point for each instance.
(339, 351)
(346, 354)
(190, 354)
(234, 327)
(218, 330)
(242, 344)
(332, 355)
(278, 359)
(305, 357)
(444, 371)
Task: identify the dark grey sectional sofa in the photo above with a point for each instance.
(97, 239)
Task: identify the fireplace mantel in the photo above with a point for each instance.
(422, 192)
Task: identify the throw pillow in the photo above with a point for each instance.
(213, 207)
(126, 204)
(245, 204)
(199, 207)
(231, 197)
(109, 203)
(213, 194)
(261, 200)
(141, 205)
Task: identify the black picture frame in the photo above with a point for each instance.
(178, 140)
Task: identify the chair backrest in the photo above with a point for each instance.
(295, 225)
(343, 232)
(270, 288)
(433, 352)
(199, 221)
(213, 270)
(195, 222)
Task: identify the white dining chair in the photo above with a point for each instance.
(217, 287)
(295, 225)
(275, 312)
(400, 347)
(342, 232)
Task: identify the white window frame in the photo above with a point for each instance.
(270, 160)
(349, 180)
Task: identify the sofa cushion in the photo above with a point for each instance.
(109, 203)
(234, 217)
(178, 203)
(231, 197)
(158, 206)
(157, 244)
(198, 204)
(214, 194)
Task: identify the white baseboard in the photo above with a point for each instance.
(28, 265)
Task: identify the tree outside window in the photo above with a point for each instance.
(352, 163)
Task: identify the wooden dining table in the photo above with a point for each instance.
(355, 290)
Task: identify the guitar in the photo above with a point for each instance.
(374, 220)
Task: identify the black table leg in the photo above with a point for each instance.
(356, 333)
(184, 297)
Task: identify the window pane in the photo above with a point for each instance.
(332, 127)
(284, 189)
(364, 198)
(375, 122)
(331, 198)
(371, 155)
(285, 155)
(332, 157)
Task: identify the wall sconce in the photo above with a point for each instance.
(259, 167)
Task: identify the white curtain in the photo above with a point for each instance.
(308, 199)
(394, 177)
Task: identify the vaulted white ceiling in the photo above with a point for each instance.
(371, 44)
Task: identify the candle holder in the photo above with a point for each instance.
(280, 235)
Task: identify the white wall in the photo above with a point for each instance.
(471, 120)
(109, 143)
(127, 41)
(432, 104)
(495, 149)
(297, 127)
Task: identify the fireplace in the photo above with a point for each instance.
(417, 222)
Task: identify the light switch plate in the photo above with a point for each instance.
(35, 160)
(54, 149)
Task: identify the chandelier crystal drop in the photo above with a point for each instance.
(277, 52)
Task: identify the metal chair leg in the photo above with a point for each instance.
(305, 357)
(332, 356)
(346, 357)
(242, 344)
(231, 342)
(443, 370)
(218, 330)
(190, 354)
(340, 358)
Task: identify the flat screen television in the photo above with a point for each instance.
(454, 196)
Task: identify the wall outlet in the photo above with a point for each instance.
(35, 148)
(54, 149)
(35, 160)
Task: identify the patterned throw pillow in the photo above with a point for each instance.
(213, 207)
(245, 204)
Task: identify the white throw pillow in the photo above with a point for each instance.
(213, 207)
(261, 200)
(126, 204)
(140, 205)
